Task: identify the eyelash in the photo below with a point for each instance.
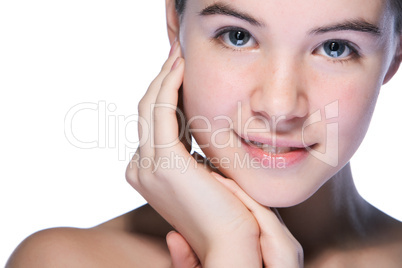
(354, 51)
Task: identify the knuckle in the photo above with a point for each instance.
(299, 249)
(144, 176)
(299, 254)
(156, 82)
(142, 104)
(164, 110)
(132, 174)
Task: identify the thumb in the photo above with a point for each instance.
(181, 252)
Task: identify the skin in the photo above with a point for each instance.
(227, 222)
(282, 78)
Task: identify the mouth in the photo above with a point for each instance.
(277, 147)
(269, 152)
(270, 148)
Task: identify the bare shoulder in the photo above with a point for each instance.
(135, 239)
(382, 245)
(392, 241)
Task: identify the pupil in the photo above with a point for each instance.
(335, 49)
(334, 46)
(240, 35)
(239, 38)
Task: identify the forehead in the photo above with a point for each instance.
(298, 13)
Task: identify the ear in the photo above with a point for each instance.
(172, 21)
(396, 62)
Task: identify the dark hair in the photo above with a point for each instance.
(396, 6)
(180, 5)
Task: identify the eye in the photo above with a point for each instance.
(237, 38)
(336, 49)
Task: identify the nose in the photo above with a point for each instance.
(280, 91)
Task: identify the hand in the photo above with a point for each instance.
(219, 228)
(278, 246)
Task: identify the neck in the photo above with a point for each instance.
(332, 217)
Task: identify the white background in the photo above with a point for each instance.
(57, 54)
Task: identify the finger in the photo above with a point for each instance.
(145, 149)
(278, 246)
(155, 85)
(147, 102)
(164, 114)
(132, 169)
(181, 252)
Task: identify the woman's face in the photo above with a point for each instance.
(299, 79)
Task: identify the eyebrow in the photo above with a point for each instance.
(358, 25)
(353, 25)
(223, 9)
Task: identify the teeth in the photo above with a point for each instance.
(257, 143)
(272, 149)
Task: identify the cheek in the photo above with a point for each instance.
(356, 113)
(358, 102)
(356, 96)
(359, 95)
(204, 90)
(212, 86)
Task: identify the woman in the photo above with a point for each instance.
(279, 97)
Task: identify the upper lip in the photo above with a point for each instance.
(276, 142)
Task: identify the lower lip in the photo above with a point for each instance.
(279, 161)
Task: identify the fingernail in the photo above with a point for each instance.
(173, 48)
(176, 63)
(171, 232)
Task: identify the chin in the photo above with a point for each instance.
(281, 199)
(282, 190)
(283, 202)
